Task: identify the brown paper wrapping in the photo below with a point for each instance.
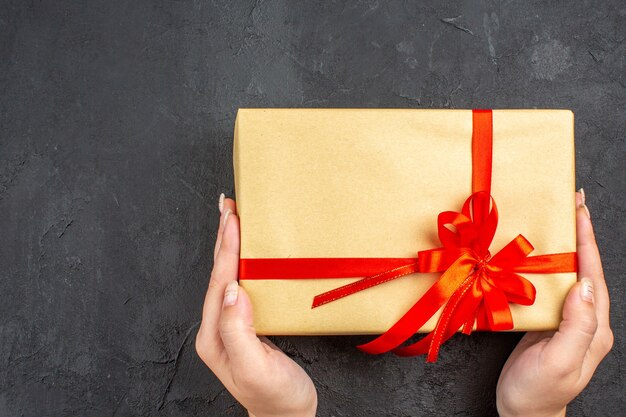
(371, 182)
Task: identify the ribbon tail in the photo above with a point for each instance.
(463, 311)
(497, 307)
(364, 283)
(431, 301)
(468, 326)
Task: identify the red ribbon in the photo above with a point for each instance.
(474, 288)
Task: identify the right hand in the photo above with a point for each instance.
(256, 372)
(547, 370)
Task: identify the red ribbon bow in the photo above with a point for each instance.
(475, 287)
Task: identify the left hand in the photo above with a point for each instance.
(256, 372)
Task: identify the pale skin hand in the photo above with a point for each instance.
(256, 372)
(547, 370)
(544, 373)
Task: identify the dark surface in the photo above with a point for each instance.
(116, 123)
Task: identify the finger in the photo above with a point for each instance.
(211, 350)
(589, 263)
(568, 347)
(243, 347)
(225, 270)
(219, 228)
(225, 204)
(225, 267)
(269, 343)
(529, 339)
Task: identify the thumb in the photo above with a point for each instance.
(242, 345)
(570, 343)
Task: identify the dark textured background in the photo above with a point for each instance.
(116, 122)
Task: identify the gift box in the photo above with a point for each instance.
(328, 197)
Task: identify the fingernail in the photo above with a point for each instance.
(583, 202)
(582, 194)
(579, 198)
(228, 211)
(221, 202)
(230, 294)
(586, 290)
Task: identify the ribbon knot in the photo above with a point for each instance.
(480, 265)
(474, 285)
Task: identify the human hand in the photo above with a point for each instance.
(256, 372)
(547, 370)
